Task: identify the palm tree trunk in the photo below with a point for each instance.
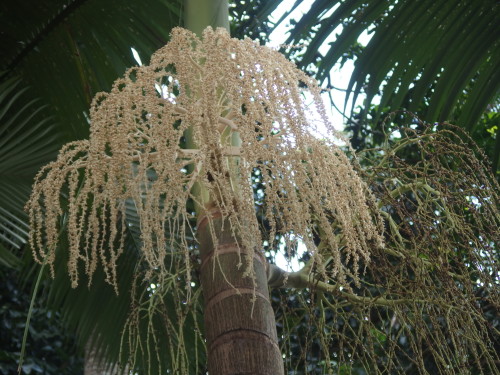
(240, 326)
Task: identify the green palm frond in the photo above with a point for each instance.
(252, 18)
(27, 141)
(439, 59)
(8, 259)
(65, 53)
(69, 52)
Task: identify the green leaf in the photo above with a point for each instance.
(434, 58)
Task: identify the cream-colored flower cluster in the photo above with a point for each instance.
(195, 123)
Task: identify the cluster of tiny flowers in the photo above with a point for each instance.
(205, 112)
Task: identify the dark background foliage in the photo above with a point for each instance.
(52, 349)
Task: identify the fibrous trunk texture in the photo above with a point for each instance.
(239, 321)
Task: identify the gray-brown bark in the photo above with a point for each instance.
(239, 321)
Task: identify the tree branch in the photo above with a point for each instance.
(279, 278)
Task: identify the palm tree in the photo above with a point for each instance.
(84, 51)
